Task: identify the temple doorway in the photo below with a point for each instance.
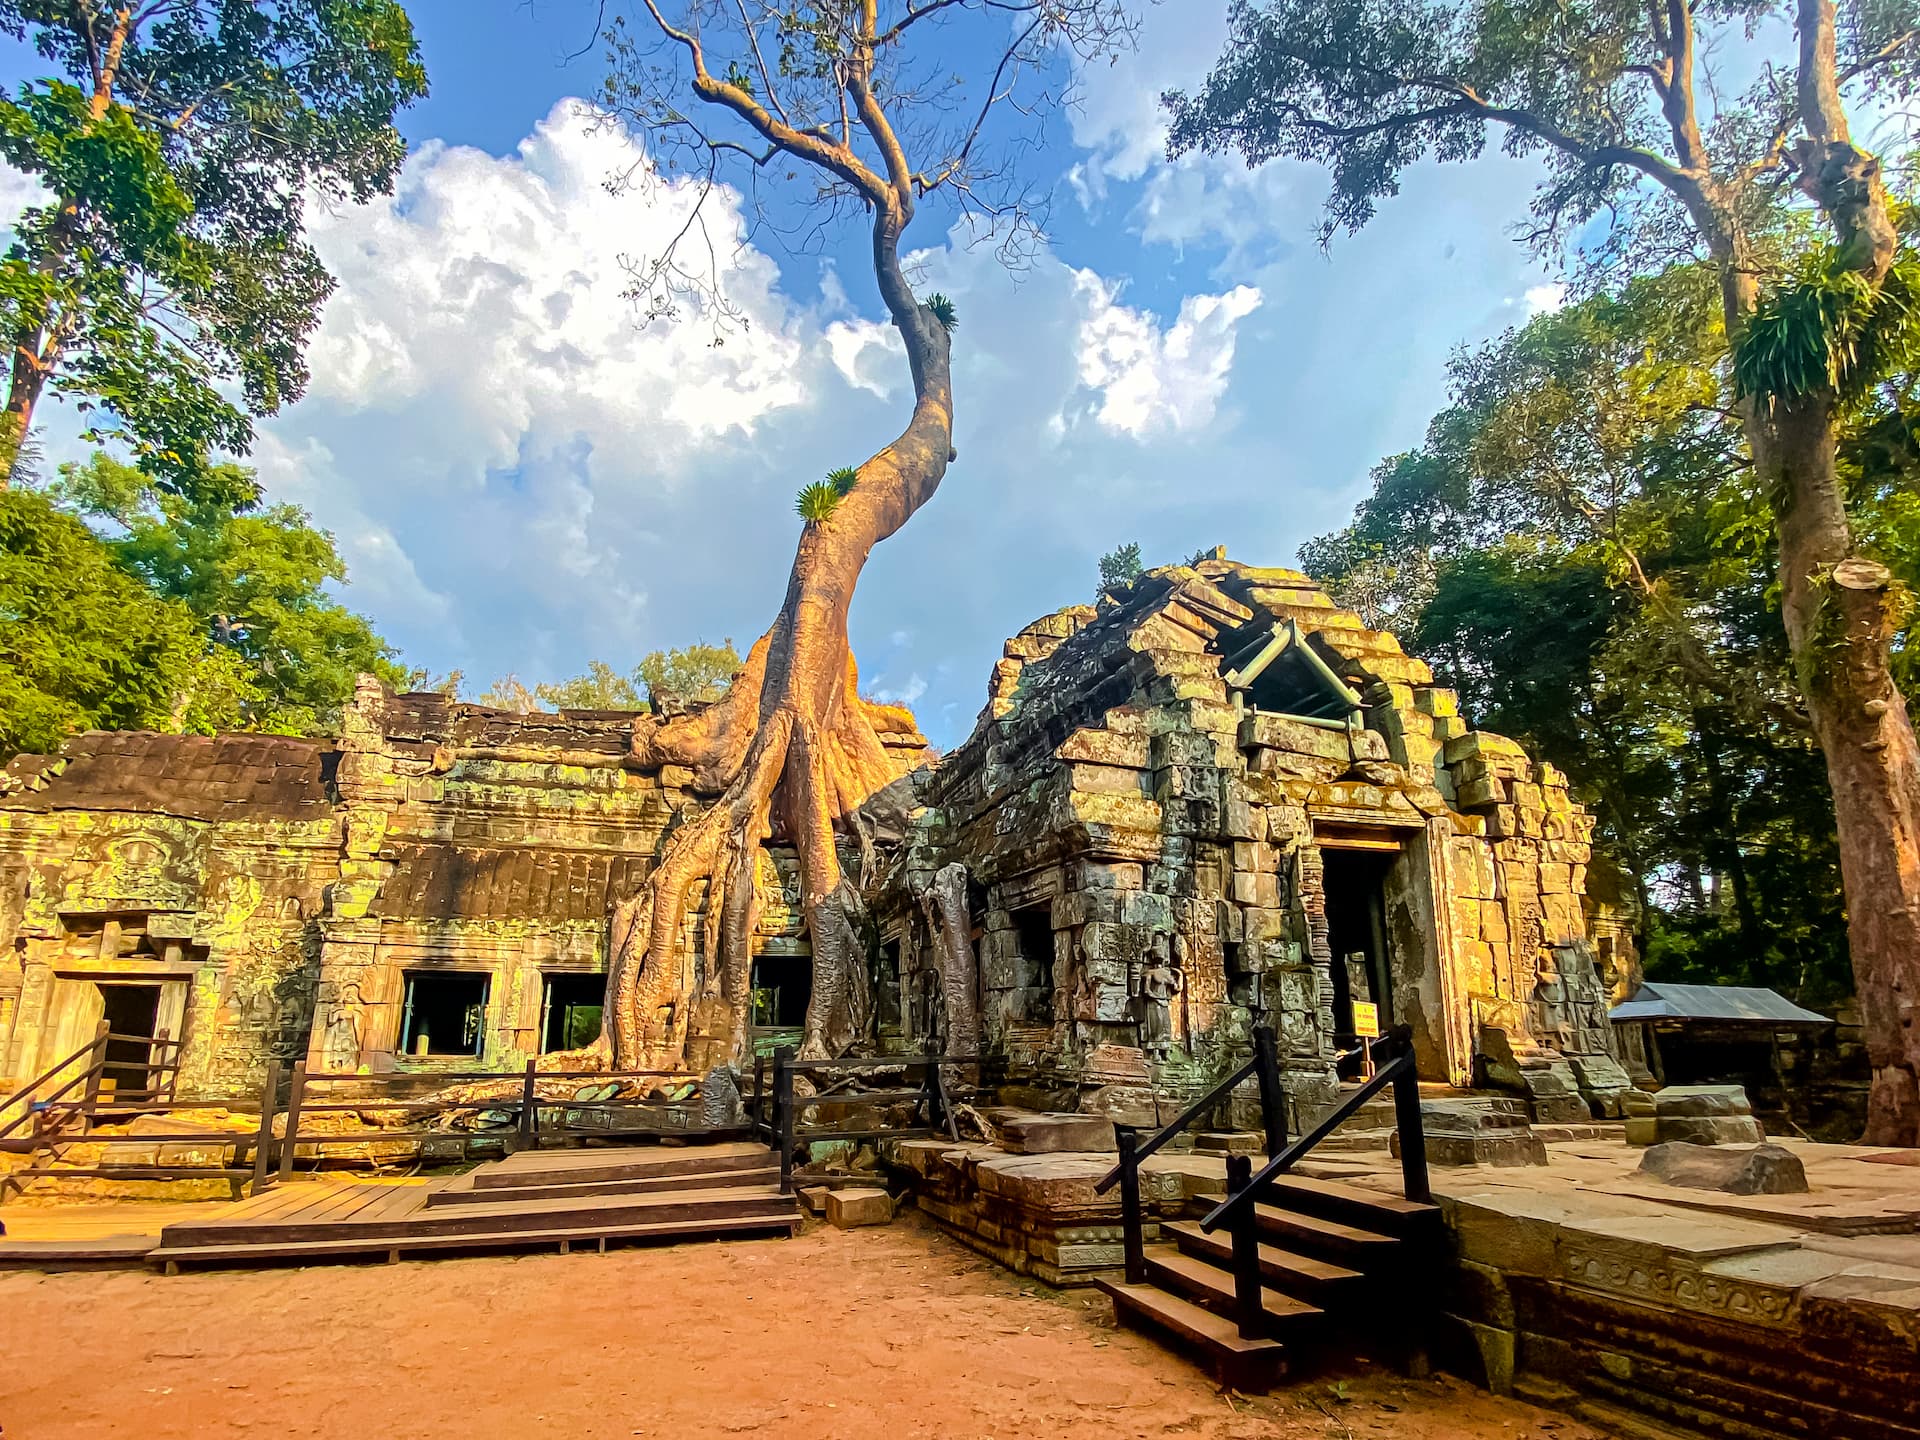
(1357, 937)
(132, 1015)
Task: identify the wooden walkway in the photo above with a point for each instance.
(534, 1200)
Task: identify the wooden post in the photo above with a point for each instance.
(1132, 1235)
(96, 1066)
(1413, 1139)
(783, 1114)
(1273, 1099)
(759, 1094)
(1249, 1309)
(296, 1092)
(263, 1138)
(529, 1111)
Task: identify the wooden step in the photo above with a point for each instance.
(463, 1191)
(564, 1167)
(1313, 1235)
(1252, 1365)
(175, 1256)
(1319, 1280)
(1212, 1287)
(393, 1220)
(1352, 1204)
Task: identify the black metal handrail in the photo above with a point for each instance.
(783, 1132)
(1265, 1066)
(1398, 1072)
(1263, 1062)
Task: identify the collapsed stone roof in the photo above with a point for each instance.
(191, 777)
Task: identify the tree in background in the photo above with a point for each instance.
(874, 110)
(601, 688)
(279, 653)
(698, 672)
(1120, 566)
(1579, 548)
(83, 644)
(1609, 97)
(166, 284)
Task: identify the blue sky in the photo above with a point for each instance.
(522, 478)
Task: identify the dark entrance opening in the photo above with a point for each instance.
(445, 1013)
(1033, 934)
(570, 1016)
(782, 990)
(1357, 937)
(887, 1004)
(132, 1012)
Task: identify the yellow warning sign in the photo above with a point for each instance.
(1366, 1020)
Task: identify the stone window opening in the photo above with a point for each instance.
(445, 1013)
(888, 1010)
(571, 1011)
(782, 990)
(1033, 937)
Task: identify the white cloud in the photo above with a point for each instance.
(1151, 379)
(1545, 297)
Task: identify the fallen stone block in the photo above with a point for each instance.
(848, 1208)
(1477, 1132)
(1028, 1133)
(1706, 1115)
(1762, 1170)
(1642, 1130)
(814, 1197)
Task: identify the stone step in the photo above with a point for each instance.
(1210, 1286)
(1251, 1365)
(1319, 1280)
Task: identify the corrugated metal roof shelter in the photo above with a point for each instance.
(1740, 1004)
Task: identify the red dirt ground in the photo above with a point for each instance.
(874, 1334)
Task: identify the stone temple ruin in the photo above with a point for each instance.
(1213, 800)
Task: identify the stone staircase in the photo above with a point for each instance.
(532, 1200)
(1338, 1262)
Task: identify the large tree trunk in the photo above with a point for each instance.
(1840, 615)
(791, 749)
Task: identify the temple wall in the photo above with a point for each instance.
(1180, 840)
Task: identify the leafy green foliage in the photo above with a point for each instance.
(83, 644)
(601, 688)
(943, 311)
(1579, 548)
(1120, 566)
(818, 500)
(1832, 330)
(696, 672)
(167, 288)
(255, 580)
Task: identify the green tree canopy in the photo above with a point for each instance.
(601, 688)
(83, 644)
(1581, 548)
(255, 579)
(166, 285)
(696, 672)
(1120, 566)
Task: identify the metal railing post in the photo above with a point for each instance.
(1273, 1099)
(1413, 1140)
(289, 1142)
(1249, 1309)
(263, 1137)
(783, 1114)
(1132, 1234)
(529, 1110)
